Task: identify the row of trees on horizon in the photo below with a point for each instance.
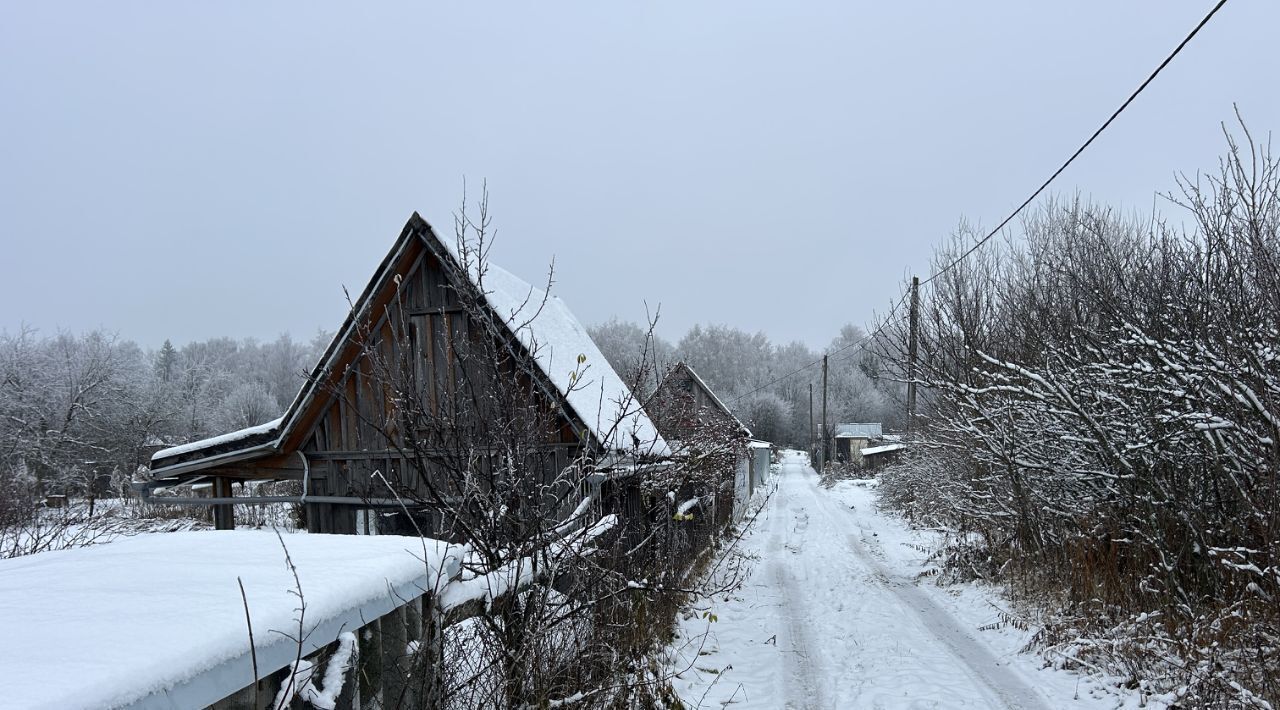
(75, 408)
(753, 376)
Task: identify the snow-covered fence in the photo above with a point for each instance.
(395, 659)
(249, 619)
(165, 621)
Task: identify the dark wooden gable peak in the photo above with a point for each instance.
(681, 389)
(419, 274)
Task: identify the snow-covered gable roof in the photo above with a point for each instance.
(598, 400)
(222, 449)
(858, 431)
(556, 338)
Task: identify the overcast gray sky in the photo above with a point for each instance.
(186, 170)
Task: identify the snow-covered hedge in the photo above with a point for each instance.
(1103, 412)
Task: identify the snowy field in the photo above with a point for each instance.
(834, 614)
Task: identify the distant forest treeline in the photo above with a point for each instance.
(744, 370)
(79, 407)
(75, 408)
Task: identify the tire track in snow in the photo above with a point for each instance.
(999, 680)
(802, 684)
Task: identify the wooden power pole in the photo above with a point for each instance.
(912, 351)
(822, 427)
(811, 418)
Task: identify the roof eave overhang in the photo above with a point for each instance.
(158, 475)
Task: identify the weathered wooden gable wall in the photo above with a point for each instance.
(683, 406)
(343, 442)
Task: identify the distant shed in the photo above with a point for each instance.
(685, 404)
(851, 438)
(761, 459)
(877, 457)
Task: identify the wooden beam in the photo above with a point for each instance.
(440, 310)
(224, 517)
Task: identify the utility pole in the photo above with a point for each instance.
(811, 417)
(822, 428)
(912, 350)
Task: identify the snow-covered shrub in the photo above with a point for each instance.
(1102, 418)
(923, 488)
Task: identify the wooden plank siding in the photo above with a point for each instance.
(425, 307)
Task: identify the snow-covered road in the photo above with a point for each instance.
(830, 617)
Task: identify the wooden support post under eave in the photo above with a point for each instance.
(224, 517)
(369, 661)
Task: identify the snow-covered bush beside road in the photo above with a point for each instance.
(1102, 434)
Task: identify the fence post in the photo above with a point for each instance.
(431, 654)
(369, 664)
(395, 642)
(349, 697)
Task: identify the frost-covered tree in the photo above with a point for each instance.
(1101, 412)
(247, 404)
(859, 389)
(166, 361)
(75, 407)
(731, 361)
(631, 349)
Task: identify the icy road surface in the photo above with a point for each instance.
(831, 616)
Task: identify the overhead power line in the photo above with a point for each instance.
(977, 245)
(1082, 147)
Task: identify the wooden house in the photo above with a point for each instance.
(684, 405)
(402, 365)
(700, 428)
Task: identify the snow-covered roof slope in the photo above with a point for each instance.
(228, 438)
(158, 621)
(858, 431)
(597, 394)
(873, 450)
